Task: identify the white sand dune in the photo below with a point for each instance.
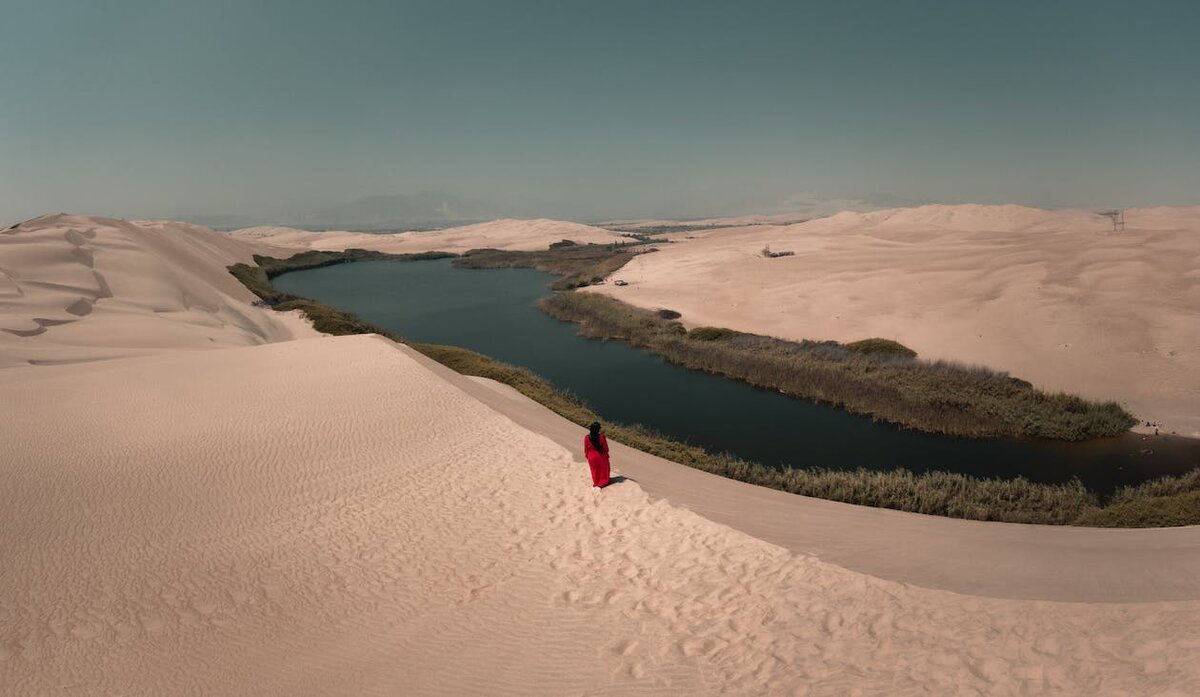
(728, 221)
(76, 288)
(257, 532)
(1028, 562)
(1054, 297)
(523, 235)
(342, 516)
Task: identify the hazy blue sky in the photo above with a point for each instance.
(593, 109)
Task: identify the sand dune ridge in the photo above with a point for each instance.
(78, 288)
(513, 234)
(1055, 297)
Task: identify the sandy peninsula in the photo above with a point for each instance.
(1054, 297)
(241, 506)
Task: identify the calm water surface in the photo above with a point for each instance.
(494, 312)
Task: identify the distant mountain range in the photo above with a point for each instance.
(397, 211)
(817, 206)
(424, 210)
(436, 209)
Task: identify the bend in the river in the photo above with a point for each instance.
(494, 312)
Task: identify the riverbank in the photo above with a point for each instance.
(873, 377)
(576, 265)
(1055, 297)
(935, 493)
(1030, 562)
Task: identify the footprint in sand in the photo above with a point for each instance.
(80, 307)
(624, 647)
(78, 238)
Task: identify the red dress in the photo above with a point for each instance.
(597, 459)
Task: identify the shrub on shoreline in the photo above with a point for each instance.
(881, 346)
(1160, 512)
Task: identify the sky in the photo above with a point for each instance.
(592, 110)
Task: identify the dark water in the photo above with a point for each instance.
(493, 312)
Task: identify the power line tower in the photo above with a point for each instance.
(1117, 216)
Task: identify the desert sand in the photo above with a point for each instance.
(728, 221)
(272, 514)
(522, 235)
(76, 288)
(1030, 562)
(330, 517)
(1054, 297)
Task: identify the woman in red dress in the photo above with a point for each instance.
(595, 447)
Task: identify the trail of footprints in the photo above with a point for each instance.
(82, 306)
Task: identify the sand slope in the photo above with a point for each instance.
(728, 221)
(1027, 562)
(523, 235)
(395, 536)
(342, 516)
(1054, 297)
(75, 288)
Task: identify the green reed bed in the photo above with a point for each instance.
(877, 377)
(1163, 502)
(576, 265)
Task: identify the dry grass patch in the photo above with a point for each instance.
(877, 377)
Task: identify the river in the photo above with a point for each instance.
(493, 311)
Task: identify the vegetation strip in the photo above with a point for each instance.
(1165, 501)
(576, 265)
(875, 377)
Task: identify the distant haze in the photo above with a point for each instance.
(370, 113)
(435, 209)
(424, 209)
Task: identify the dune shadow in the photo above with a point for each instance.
(618, 479)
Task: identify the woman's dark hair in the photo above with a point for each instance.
(595, 435)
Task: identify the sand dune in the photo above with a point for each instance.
(343, 516)
(1054, 297)
(728, 221)
(76, 288)
(524, 235)
(394, 535)
(1027, 562)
